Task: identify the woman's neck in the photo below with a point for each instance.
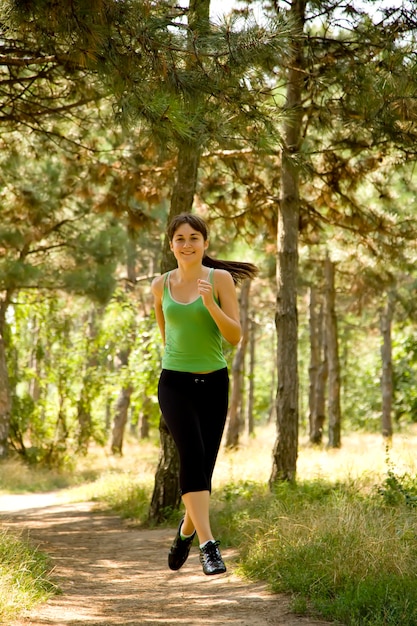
(190, 274)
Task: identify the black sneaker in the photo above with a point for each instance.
(180, 550)
(211, 559)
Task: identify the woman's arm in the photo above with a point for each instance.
(157, 290)
(225, 314)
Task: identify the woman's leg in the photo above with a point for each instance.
(194, 409)
(212, 410)
(210, 396)
(176, 393)
(197, 517)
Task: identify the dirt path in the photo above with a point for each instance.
(113, 575)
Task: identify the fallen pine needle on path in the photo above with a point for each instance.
(111, 574)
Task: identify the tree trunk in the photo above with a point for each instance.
(252, 360)
(387, 369)
(318, 369)
(272, 413)
(333, 357)
(235, 413)
(286, 445)
(313, 368)
(121, 409)
(120, 419)
(144, 423)
(5, 395)
(4, 400)
(84, 417)
(321, 382)
(188, 159)
(123, 401)
(166, 494)
(35, 364)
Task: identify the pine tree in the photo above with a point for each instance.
(350, 89)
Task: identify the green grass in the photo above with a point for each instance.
(25, 578)
(343, 554)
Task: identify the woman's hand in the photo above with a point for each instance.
(205, 289)
(226, 313)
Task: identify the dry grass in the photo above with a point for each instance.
(362, 457)
(342, 540)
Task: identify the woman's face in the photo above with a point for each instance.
(188, 244)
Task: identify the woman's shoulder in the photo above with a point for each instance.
(222, 277)
(158, 283)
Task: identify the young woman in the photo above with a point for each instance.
(196, 306)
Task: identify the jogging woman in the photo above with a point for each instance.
(196, 308)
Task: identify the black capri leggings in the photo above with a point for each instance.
(194, 407)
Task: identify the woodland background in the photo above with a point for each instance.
(295, 137)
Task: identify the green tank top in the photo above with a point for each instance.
(193, 342)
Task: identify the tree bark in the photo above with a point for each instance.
(333, 358)
(120, 419)
(144, 424)
(313, 367)
(387, 384)
(252, 360)
(123, 401)
(4, 400)
(235, 413)
(166, 494)
(318, 370)
(286, 445)
(35, 364)
(188, 159)
(84, 403)
(272, 413)
(323, 373)
(5, 395)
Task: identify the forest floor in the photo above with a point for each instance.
(114, 574)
